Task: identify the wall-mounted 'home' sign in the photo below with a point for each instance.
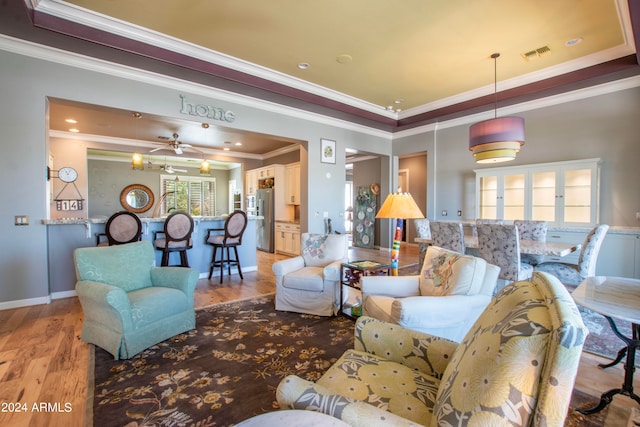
(208, 111)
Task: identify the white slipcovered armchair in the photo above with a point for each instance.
(445, 299)
(309, 283)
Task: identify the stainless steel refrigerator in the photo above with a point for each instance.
(265, 226)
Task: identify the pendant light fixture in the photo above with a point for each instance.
(136, 162)
(499, 139)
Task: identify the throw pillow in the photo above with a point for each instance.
(440, 272)
(313, 250)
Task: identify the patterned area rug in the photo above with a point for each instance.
(228, 369)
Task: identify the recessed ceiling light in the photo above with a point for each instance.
(398, 101)
(238, 144)
(573, 42)
(71, 121)
(227, 149)
(344, 58)
(303, 65)
(74, 130)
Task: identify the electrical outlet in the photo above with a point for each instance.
(459, 213)
(444, 212)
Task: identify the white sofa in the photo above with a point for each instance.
(445, 299)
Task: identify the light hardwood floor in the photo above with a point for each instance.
(44, 365)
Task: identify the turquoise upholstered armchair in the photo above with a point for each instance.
(515, 367)
(128, 303)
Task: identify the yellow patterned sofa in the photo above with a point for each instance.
(515, 367)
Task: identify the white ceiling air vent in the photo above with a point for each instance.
(536, 53)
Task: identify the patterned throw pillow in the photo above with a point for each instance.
(440, 272)
(313, 250)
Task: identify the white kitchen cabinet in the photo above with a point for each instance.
(251, 182)
(292, 184)
(561, 193)
(287, 238)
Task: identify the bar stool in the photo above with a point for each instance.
(122, 227)
(177, 237)
(233, 229)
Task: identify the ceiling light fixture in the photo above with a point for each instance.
(499, 139)
(303, 65)
(205, 168)
(72, 121)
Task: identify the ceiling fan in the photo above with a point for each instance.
(170, 169)
(176, 145)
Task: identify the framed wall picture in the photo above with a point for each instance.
(328, 153)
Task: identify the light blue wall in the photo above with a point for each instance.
(604, 126)
(26, 84)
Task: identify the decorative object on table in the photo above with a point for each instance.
(365, 204)
(221, 373)
(327, 151)
(530, 336)
(574, 274)
(399, 206)
(128, 304)
(499, 139)
(233, 230)
(309, 283)
(444, 298)
(121, 228)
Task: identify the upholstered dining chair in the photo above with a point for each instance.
(423, 230)
(532, 230)
(234, 227)
(574, 274)
(121, 227)
(447, 235)
(178, 228)
(309, 283)
(499, 244)
(517, 365)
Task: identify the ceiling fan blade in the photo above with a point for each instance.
(156, 149)
(180, 170)
(178, 150)
(185, 145)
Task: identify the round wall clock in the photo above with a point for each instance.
(67, 174)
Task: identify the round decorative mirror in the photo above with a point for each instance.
(136, 198)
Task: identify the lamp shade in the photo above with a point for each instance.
(399, 205)
(496, 140)
(136, 162)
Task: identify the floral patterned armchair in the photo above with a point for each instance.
(516, 366)
(309, 283)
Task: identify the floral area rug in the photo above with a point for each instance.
(227, 370)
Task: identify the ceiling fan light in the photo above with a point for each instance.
(205, 168)
(136, 162)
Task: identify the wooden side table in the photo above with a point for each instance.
(350, 273)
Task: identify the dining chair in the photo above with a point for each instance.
(532, 230)
(448, 235)
(234, 227)
(499, 244)
(178, 228)
(423, 230)
(574, 274)
(122, 227)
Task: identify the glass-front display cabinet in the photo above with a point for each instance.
(562, 193)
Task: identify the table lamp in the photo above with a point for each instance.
(400, 206)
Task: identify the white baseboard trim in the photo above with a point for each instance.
(234, 270)
(8, 305)
(65, 294)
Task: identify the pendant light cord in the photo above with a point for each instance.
(495, 84)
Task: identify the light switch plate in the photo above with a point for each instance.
(22, 220)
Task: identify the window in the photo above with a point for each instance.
(195, 195)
